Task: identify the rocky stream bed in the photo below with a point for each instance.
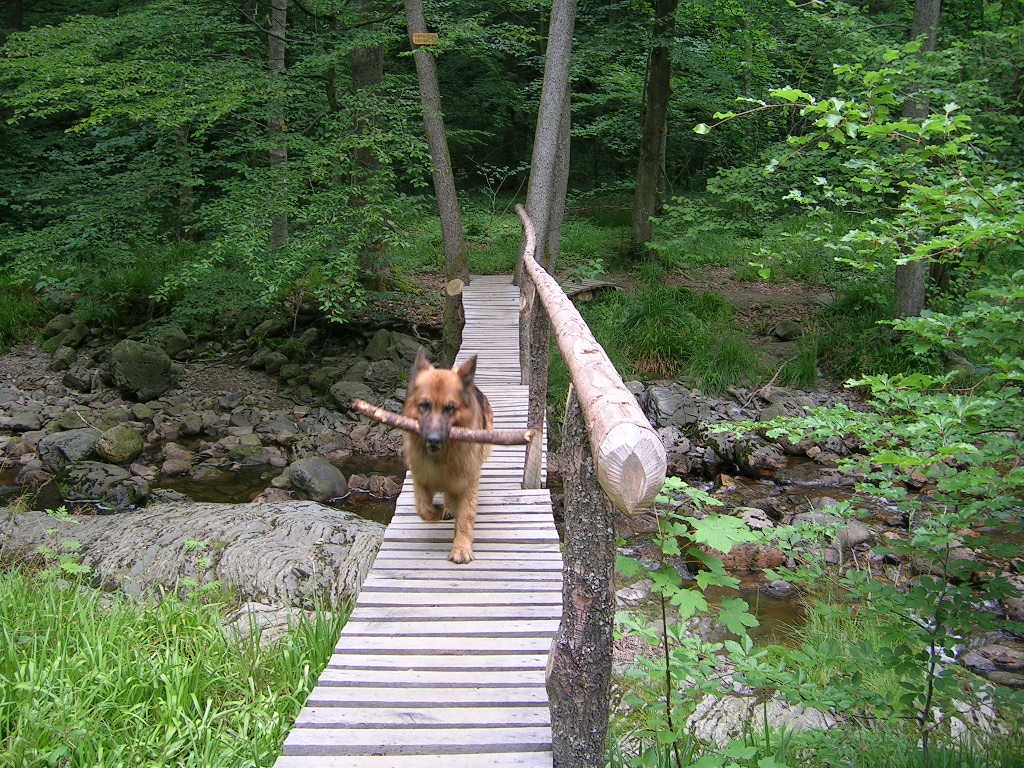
(185, 463)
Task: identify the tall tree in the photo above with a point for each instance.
(276, 124)
(456, 266)
(653, 131)
(912, 277)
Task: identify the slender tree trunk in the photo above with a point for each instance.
(545, 199)
(456, 267)
(653, 130)
(912, 278)
(276, 123)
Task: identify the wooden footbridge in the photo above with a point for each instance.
(444, 665)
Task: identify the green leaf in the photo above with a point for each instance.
(702, 128)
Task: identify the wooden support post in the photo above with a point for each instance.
(580, 664)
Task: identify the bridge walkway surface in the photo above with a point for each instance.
(442, 665)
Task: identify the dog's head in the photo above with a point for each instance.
(439, 399)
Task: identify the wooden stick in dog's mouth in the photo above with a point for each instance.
(492, 436)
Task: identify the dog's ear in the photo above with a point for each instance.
(467, 371)
(419, 364)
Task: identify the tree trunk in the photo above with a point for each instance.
(276, 123)
(580, 666)
(650, 169)
(456, 266)
(545, 199)
(912, 278)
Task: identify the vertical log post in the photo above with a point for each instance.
(580, 663)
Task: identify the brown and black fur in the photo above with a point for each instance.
(439, 399)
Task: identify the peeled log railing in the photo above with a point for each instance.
(613, 458)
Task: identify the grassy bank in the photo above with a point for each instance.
(94, 679)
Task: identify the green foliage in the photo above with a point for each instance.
(962, 445)
(658, 710)
(95, 679)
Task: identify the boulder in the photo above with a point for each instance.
(344, 392)
(383, 375)
(174, 341)
(27, 419)
(296, 553)
(379, 346)
(104, 484)
(80, 378)
(119, 445)
(140, 371)
(314, 478)
(786, 330)
(63, 358)
(58, 450)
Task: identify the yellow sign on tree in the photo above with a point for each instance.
(424, 38)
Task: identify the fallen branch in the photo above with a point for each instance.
(493, 436)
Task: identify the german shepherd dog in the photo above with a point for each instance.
(439, 399)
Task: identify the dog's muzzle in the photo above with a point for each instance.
(433, 441)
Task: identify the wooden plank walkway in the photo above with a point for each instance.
(442, 665)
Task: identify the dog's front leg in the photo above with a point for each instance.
(425, 503)
(464, 508)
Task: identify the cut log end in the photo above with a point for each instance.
(461, 434)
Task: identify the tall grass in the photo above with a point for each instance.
(671, 332)
(20, 312)
(90, 679)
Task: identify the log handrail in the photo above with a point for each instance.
(613, 458)
(628, 453)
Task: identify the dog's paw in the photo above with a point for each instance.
(461, 554)
(430, 514)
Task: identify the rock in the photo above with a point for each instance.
(750, 558)
(344, 392)
(382, 375)
(32, 475)
(756, 519)
(58, 324)
(278, 429)
(404, 347)
(296, 553)
(322, 378)
(140, 371)
(269, 622)
(384, 486)
(80, 378)
(23, 419)
(1001, 660)
(174, 341)
(58, 450)
(379, 346)
(674, 404)
(316, 478)
(231, 400)
(273, 326)
(786, 330)
(633, 594)
(63, 358)
(269, 360)
(119, 444)
(106, 484)
(720, 719)
(779, 589)
(177, 460)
